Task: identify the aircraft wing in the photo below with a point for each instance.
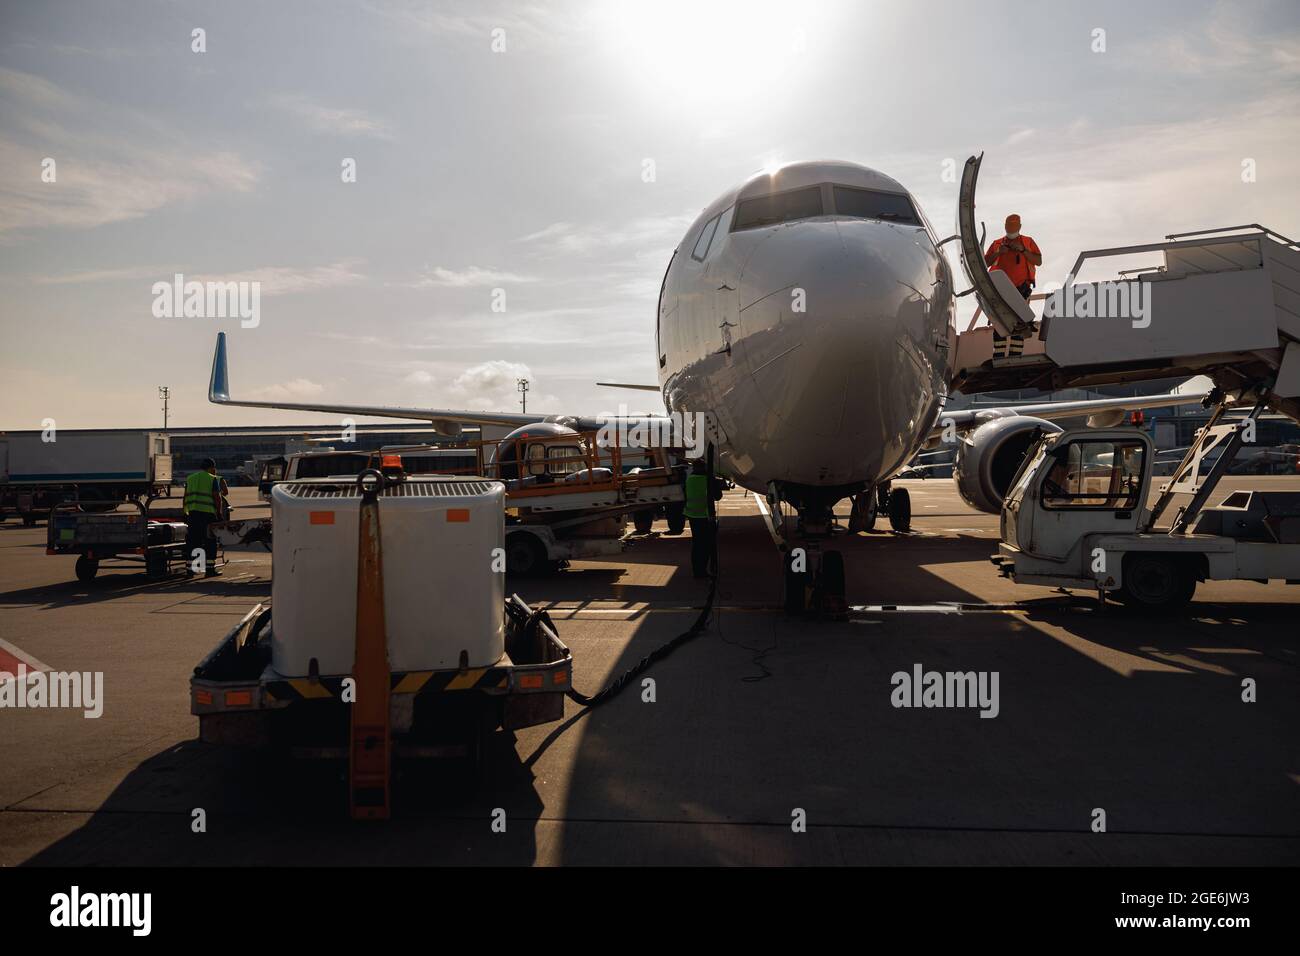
(974, 417)
(638, 388)
(446, 421)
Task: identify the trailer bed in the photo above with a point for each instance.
(240, 699)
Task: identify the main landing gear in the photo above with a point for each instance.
(896, 503)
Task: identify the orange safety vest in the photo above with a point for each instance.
(1017, 267)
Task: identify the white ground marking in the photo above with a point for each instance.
(7, 651)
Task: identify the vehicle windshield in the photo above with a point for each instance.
(1095, 474)
(1028, 469)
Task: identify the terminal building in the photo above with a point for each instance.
(232, 448)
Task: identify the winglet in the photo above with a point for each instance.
(219, 385)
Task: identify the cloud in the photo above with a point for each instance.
(132, 170)
(286, 280)
(1227, 42)
(492, 384)
(419, 377)
(104, 275)
(289, 391)
(466, 278)
(35, 91)
(330, 119)
(414, 18)
(369, 340)
(648, 231)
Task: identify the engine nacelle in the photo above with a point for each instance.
(988, 458)
(1108, 419)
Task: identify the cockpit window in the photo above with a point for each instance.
(780, 207)
(870, 204)
(706, 239)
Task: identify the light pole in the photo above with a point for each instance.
(522, 386)
(165, 393)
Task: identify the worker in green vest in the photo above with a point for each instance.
(203, 505)
(700, 489)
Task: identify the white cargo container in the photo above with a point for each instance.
(105, 466)
(443, 602)
(86, 458)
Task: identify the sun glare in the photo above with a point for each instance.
(701, 55)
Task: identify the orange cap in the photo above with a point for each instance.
(1012, 220)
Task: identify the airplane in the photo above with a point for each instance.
(808, 315)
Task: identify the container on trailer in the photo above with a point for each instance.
(85, 458)
(443, 603)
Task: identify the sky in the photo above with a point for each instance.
(523, 173)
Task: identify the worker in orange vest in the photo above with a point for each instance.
(1019, 257)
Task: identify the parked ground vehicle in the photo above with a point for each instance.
(566, 496)
(1076, 516)
(39, 469)
(146, 534)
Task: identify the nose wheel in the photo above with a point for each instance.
(814, 582)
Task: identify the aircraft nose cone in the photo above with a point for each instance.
(840, 321)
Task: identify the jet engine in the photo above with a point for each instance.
(989, 456)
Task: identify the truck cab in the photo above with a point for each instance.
(1077, 517)
(1075, 510)
(1074, 484)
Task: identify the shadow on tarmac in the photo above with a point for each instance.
(764, 716)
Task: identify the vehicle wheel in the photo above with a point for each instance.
(643, 521)
(525, 555)
(1156, 582)
(863, 516)
(155, 564)
(831, 588)
(900, 510)
(795, 584)
(476, 733)
(676, 519)
(87, 568)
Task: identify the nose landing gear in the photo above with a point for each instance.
(814, 582)
(813, 578)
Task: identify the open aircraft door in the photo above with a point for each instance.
(1005, 307)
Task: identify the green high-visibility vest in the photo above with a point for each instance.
(198, 492)
(697, 496)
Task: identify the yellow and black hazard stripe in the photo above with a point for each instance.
(411, 682)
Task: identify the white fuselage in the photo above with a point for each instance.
(818, 345)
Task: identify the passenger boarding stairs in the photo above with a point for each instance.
(1223, 303)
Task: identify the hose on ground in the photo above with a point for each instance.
(659, 653)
